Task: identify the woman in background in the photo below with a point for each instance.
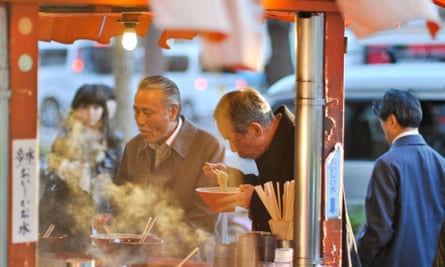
(85, 152)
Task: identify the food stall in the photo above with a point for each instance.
(319, 98)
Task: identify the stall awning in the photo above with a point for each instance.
(100, 27)
(367, 17)
(68, 20)
(103, 19)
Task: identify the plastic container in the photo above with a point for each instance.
(221, 257)
(284, 257)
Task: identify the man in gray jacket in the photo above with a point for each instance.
(163, 164)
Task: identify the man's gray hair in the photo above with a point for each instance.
(167, 86)
(242, 107)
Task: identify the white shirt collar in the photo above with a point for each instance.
(175, 133)
(414, 131)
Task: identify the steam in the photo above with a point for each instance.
(66, 201)
(76, 151)
(136, 204)
(72, 160)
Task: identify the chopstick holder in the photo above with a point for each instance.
(280, 208)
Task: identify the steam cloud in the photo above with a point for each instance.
(136, 204)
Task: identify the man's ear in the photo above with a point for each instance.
(174, 110)
(393, 121)
(256, 128)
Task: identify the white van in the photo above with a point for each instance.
(403, 58)
(64, 68)
(201, 88)
(364, 140)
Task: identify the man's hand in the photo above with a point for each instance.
(210, 170)
(242, 199)
(103, 222)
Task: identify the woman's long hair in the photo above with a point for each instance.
(96, 94)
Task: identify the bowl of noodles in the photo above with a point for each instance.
(212, 196)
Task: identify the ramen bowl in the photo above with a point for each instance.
(213, 195)
(128, 246)
(51, 244)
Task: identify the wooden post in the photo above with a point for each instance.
(333, 126)
(23, 56)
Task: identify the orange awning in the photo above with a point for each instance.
(440, 3)
(66, 28)
(101, 22)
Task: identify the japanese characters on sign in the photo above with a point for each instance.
(334, 184)
(24, 187)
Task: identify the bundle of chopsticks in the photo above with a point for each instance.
(280, 207)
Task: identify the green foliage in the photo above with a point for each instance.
(356, 216)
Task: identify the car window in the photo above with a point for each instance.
(52, 57)
(97, 59)
(364, 137)
(91, 59)
(176, 63)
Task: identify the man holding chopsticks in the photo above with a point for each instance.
(245, 119)
(163, 165)
(253, 130)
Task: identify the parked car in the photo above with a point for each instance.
(201, 88)
(64, 68)
(364, 140)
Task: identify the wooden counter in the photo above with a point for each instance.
(94, 258)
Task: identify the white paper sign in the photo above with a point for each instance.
(334, 174)
(24, 190)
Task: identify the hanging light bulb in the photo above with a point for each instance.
(129, 39)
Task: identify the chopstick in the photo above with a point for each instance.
(151, 221)
(269, 199)
(107, 230)
(279, 198)
(49, 230)
(288, 200)
(149, 227)
(146, 226)
(188, 257)
(280, 207)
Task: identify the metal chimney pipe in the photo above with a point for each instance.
(309, 103)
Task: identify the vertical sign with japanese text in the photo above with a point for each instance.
(334, 182)
(24, 190)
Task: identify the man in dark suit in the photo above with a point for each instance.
(405, 199)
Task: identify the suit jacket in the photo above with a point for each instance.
(178, 175)
(404, 206)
